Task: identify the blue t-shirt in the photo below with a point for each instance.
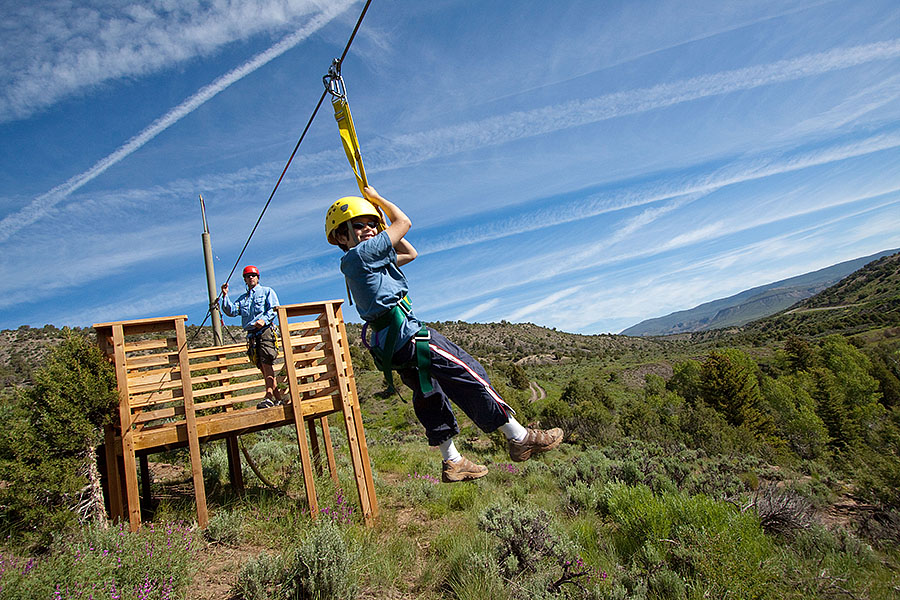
(377, 285)
(258, 303)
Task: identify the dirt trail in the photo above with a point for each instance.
(537, 392)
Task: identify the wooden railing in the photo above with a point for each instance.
(171, 396)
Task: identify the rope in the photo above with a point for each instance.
(297, 146)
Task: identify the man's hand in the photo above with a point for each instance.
(260, 324)
(225, 288)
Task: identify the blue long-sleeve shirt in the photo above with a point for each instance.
(258, 303)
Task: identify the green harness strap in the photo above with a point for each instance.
(393, 320)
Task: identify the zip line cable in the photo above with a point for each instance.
(302, 135)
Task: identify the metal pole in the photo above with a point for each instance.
(218, 340)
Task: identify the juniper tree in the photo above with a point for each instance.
(48, 446)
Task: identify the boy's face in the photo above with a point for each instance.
(363, 228)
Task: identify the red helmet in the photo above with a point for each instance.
(251, 269)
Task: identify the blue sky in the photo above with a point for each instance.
(579, 165)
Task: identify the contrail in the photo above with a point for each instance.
(43, 203)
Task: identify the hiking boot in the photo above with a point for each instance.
(461, 470)
(536, 440)
(266, 403)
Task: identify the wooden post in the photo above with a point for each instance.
(329, 449)
(146, 495)
(361, 469)
(291, 369)
(357, 411)
(113, 485)
(131, 484)
(190, 423)
(314, 443)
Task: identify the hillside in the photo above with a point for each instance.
(751, 304)
(867, 299)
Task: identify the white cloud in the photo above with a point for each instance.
(43, 203)
(478, 309)
(52, 50)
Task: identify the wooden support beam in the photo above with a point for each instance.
(131, 485)
(305, 459)
(314, 443)
(234, 465)
(359, 469)
(113, 483)
(329, 449)
(146, 494)
(190, 424)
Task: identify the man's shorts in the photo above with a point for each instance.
(261, 348)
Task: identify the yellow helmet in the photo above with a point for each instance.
(348, 208)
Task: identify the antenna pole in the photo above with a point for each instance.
(218, 340)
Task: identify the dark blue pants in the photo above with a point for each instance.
(455, 376)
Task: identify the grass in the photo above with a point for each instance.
(629, 539)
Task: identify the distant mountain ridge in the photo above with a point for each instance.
(751, 304)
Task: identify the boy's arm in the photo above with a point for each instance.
(400, 223)
(406, 252)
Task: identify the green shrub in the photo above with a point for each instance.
(258, 579)
(225, 527)
(525, 536)
(321, 567)
(51, 436)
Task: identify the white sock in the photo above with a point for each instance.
(513, 430)
(449, 451)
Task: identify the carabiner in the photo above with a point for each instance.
(333, 81)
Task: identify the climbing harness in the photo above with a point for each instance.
(392, 320)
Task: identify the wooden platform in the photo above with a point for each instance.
(171, 396)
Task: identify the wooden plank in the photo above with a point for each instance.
(191, 426)
(218, 364)
(127, 435)
(155, 367)
(154, 377)
(225, 376)
(153, 321)
(303, 371)
(150, 344)
(151, 360)
(305, 459)
(147, 399)
(231, 387)
(357, 415)
(155, 415)
(158, 386)
(311, 355)
(307, 340)
(217, 350)
(303, 326)
(229, 403)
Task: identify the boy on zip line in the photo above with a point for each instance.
(436, 369)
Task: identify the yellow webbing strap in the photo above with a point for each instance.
(349, 140)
